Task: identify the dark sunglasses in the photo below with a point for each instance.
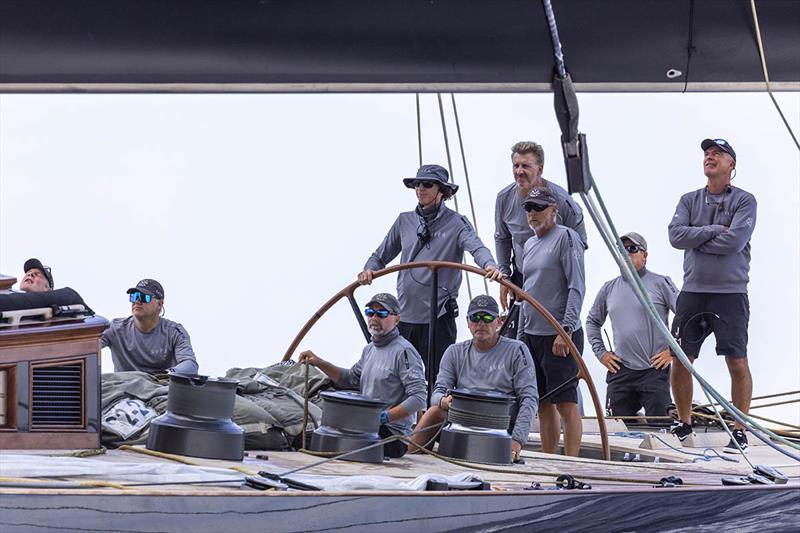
(382, 313)
(535, 207)
(477, 317)
(425, 183)
(632, 248)
(139, 297)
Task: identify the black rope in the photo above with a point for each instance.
(689, 46)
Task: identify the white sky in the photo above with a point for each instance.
(252, 210)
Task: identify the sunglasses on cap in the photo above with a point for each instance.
(535, 207)
(425, 183)
(477, 317)
(139, 297)
(634, 248)
(382, 313)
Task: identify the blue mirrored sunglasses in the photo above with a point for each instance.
(382, 313)
(139, 297)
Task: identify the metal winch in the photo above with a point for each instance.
(198, 419)
(349, 421)
(477, 427)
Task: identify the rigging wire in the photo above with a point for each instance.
(450, 166)
(610, 236)
(766, 72)
(466, 177)
(689, 46)
(419, 132)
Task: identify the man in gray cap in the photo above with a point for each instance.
(390, 370)
(713, 226)
(146, 341)
(489, 362)
(511, 222)
(553, 273)
(431, 232)
(638, 368)
(37, 278)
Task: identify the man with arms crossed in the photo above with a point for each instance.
(713, 226)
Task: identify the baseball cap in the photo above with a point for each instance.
(35, 263)
(540, 196)
(387, 301)
(483, 304)
(149, 286)
(636, 239)
(722, 144)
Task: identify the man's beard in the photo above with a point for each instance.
(375, 330)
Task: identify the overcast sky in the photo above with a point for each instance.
(252, 210)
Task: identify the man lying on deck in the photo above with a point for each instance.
(390, 370)
(638, 368)
(488, 362)
(146, 341)
(37, 278)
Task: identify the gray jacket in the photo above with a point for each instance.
(166, 347)
(511, 223)
(451, 235)
(715, 259)
(392, 373)
(506, 368)
(636, 340)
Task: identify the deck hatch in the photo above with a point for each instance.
(57, 397)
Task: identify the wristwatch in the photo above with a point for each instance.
(568, 329)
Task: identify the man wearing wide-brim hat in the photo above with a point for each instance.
(431, 232)
(146, 341)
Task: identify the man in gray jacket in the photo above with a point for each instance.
(431, 232)
(489, 362)
(511, 222)
(146, 341)
(638, 374)
(713, 226)
(390, 370)
(553, 273)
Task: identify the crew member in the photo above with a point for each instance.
(146, 341)
(489, 362)
(389, 370)
(638, 368)
(431, 232)
(511, 222)
(553, 273)
(713, 226)
(37, 278)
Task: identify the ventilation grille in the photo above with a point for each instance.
(57, 396)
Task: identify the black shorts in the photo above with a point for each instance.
(394, 449)
(630, 390)
(551, 370)
(698, 314)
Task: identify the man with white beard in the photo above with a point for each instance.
(389, 370)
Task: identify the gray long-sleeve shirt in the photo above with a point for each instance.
(392, 373)
(511, 223)
(715, 259)
(553, 273)
(506, 368)
(168, 346)
(636, 340)
(451, 235)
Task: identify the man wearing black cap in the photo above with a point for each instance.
(511, 223)
(713, 226)
(485, 362)
(431, 232)
(390, 370)
(553, 273)
(638, 367)
(37, 278)
(146, 341)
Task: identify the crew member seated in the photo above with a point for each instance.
(37, 278)
(488, 362)
(145, 341)
(390, 370)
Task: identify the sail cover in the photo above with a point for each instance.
(392, 45)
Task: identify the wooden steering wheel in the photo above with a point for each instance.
(349, 291)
